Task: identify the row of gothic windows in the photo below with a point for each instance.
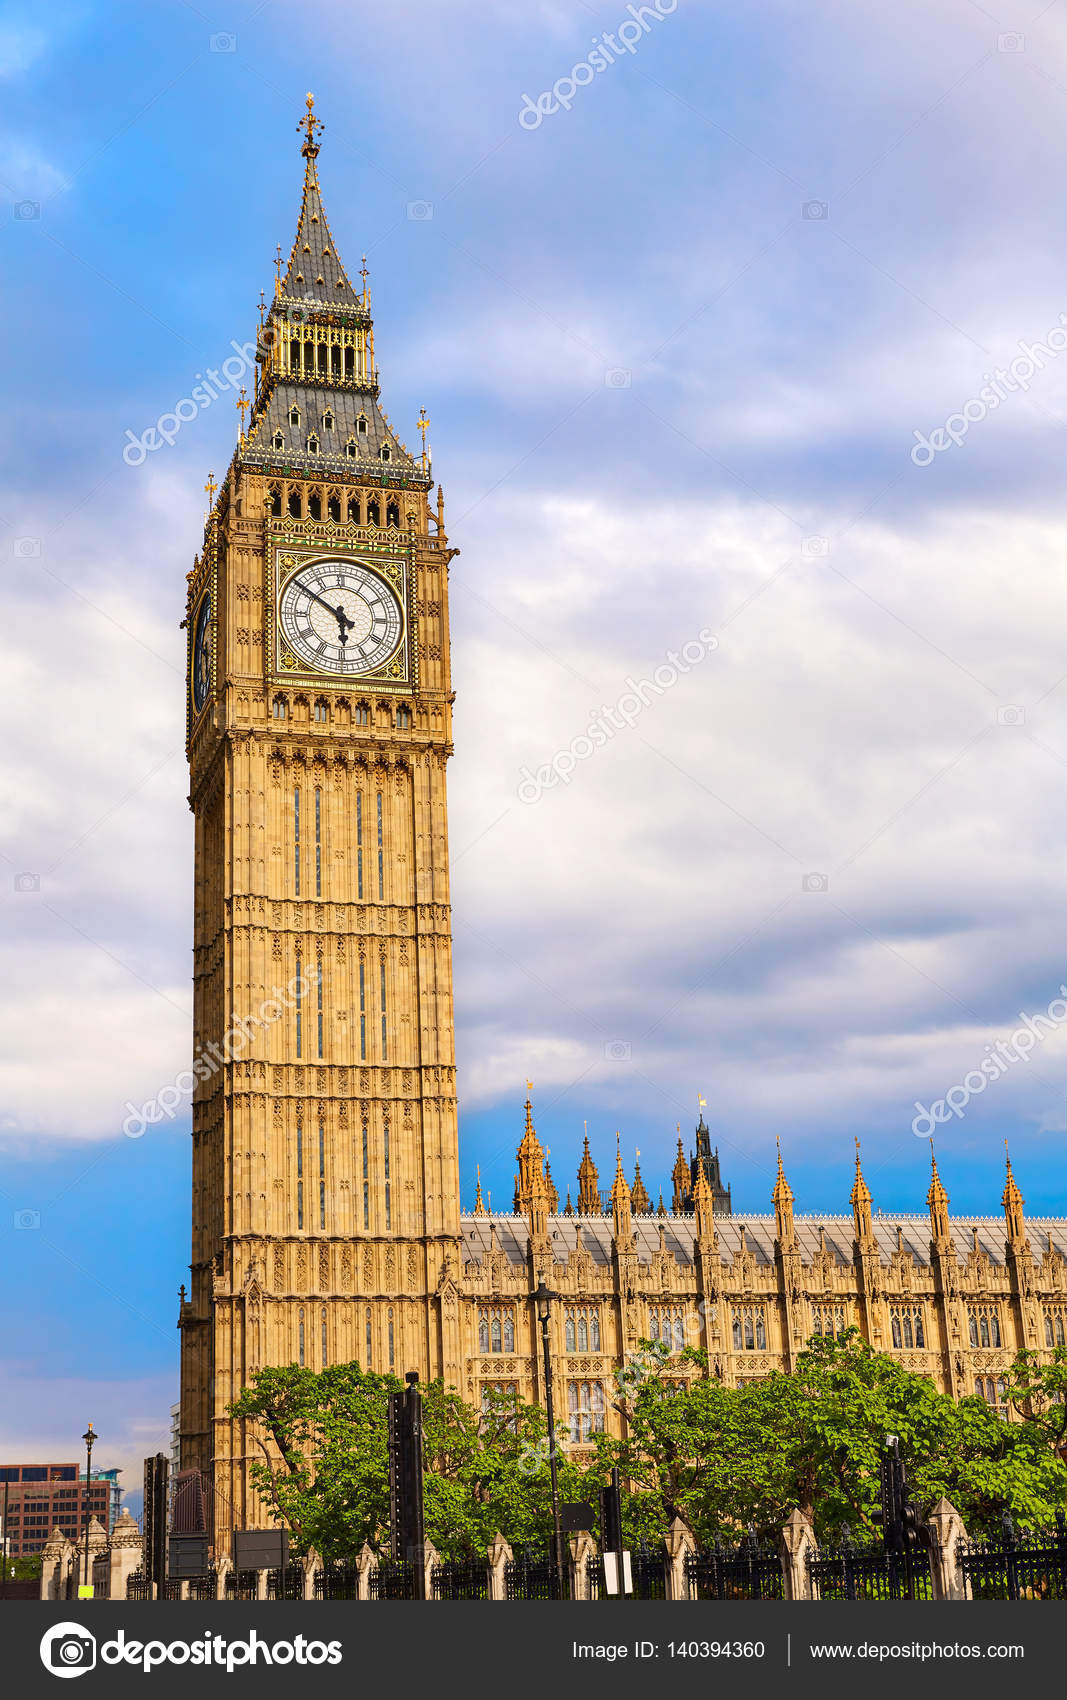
(749, 1329)
(581, 1330)
(585, 1408)
(1054, 1328)
(334, 362)
(294, 507)
(827, 1320)
(667, 1325)
(361, 714)
(995, 1393)
(983, 1326)
(496, 1328)
(907, 1327)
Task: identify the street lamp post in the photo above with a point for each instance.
(543, 1300)
(88, 1438)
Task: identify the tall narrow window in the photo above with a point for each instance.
(381, 858)
(392, 1354)
(325, 1355)
(368, 1346)
(299, 987)
(385, 1042)
(318, 842)
(296, 841)
(318, 993)
(362, 1011)
(366, 1180)
(322, 1176)
(359, 844)
(299, 1177)
(300, 1342)
(388, 1189)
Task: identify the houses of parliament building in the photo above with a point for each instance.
(326, 1219)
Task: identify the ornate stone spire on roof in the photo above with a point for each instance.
(530, 1158)
(315, 271)
(588, 1184)
(703, 1206)
(682, 1201)
(639, 1198)
(620, 1201)
(479, 1207)
(937, 1201)
(783, 1205)
(860, 1200)
(1014, 1208)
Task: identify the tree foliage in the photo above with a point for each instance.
(720, 1458)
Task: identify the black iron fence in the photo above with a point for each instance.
(745, 1572)
(648, 1574)
(534, 1576)
(240, 1584)
(337, 1582)
(849, 1572)
(287, 1584)
(1031, 1565)
(137, 1588)
(203, 1587)
(463, 1579)
(394, 1581)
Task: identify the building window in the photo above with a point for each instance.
(299, 1176)
(385, 1032)
(363, 1011)
(749, 1328)
(392, 1354)
(359, 834)
(383, 452)
(294, 505)
(388, 1189)
(581, 1329)
(983, 1326)
(666, 1323)
(496, 1328)
(381, 855)
(300, 1333)
(350, 448)
(278, 441)
(366, 1183)
(294, 416)
(296, 842)
(280, 710)
(368, 1322)
(585, 1407)
(362, 714)
(322, 1176)
(318, 994)
(906, 1326)
(995, 1393)
(403, 718)
(299, 989)
(327, 421)
(361, 425)
(828, 1321)
(1054, 1335)
(333, 508)
(392, 515)
(322, 712)
(313, 445)
(325, 1355)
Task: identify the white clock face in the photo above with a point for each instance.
(339, 617)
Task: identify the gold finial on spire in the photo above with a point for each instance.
(479, 1207)
(310, 125)
(242, 405)
(211, 487)
(424, 426)
(278, 269)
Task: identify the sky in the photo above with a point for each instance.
(740, 332)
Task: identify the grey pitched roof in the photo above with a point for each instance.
(680, 1233)
(315, 271)
(313, 402)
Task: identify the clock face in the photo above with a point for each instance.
(201, 680)
(339, 617)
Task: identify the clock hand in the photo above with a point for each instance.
(338, 612)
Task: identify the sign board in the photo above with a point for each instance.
(575, 1516)
(188, 1556)
(260, 1549)
(611, 1573)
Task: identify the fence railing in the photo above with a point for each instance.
(393, 1581)
(746, 1572)
(1031, 1565)
(287, 1584)
(534, 1576)
(337, 1582)
(870, 1573)
(465, 1579)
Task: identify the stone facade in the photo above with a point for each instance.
(326, 1221)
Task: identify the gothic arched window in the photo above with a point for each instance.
(583, 1333)
(278, 440)
(294, 416)
(509, 1332)
(920, 1336)
(737, 1333)
(392, 515)
(495, 1335)
(896, 1331)
(907, 1331)
(483, 1332)
(1059, 1329)
(569, 1341)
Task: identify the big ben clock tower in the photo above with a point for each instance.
(325, 1223)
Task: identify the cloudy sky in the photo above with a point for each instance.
(676, 340)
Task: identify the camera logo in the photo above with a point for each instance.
(817, 210)
(815, 882)
(27, 1220)
(68, 1650)
(617, 1050)
(1011, 714)
(420, 209)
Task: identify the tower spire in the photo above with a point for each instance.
(783, 1204)
(588, 1185)
(860, 1201)
(1012, 1200)
(310, 126)
(937, 1201)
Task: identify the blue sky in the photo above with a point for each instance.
(675, 344)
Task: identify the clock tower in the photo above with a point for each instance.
(325, 1219)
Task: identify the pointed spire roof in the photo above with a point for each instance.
(639, 1196)
(479, 1207)
(1012, 1200)
(861, 1192)
(620, 1189)
(588, 1184)
(315, 271)
(783, 1192)
(568, 1208)
(937, 1197)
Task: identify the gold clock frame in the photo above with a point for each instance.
(286, 555)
